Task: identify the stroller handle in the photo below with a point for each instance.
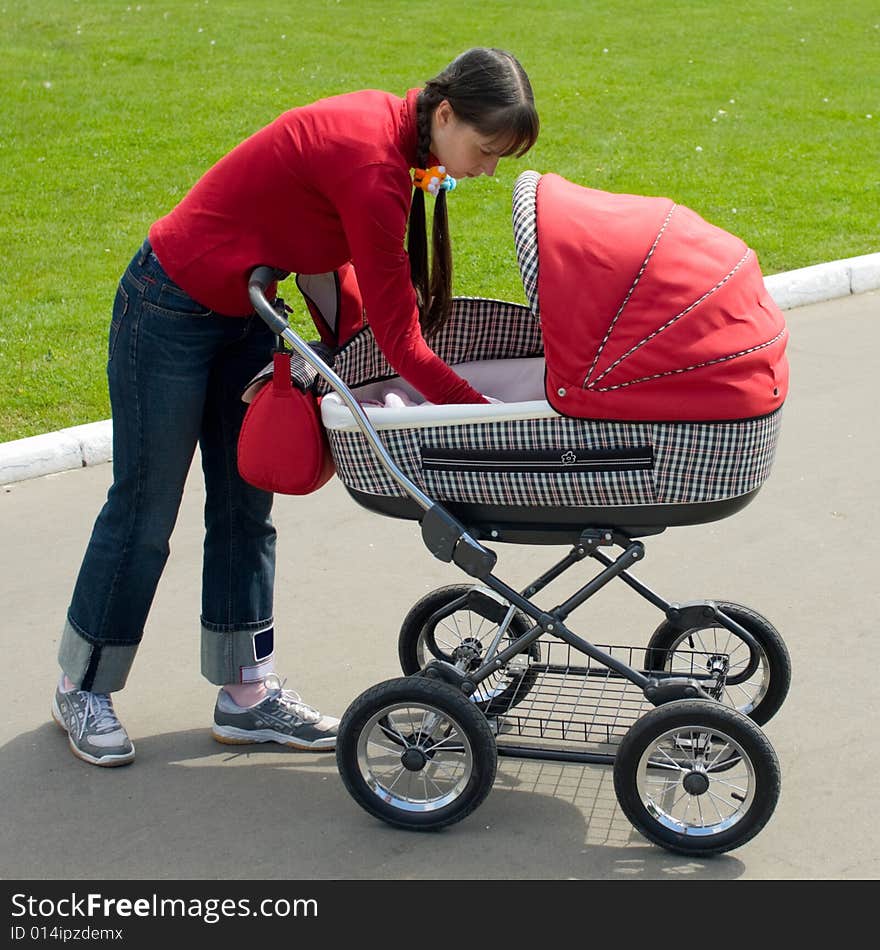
(444, 536)
(259, 280)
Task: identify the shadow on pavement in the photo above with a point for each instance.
(190, 808)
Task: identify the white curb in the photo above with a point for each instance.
(92, 443)
(796, 288)
(53, 452)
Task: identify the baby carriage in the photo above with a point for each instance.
(641, 389)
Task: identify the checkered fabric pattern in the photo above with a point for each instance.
(477, 329)
(302, 375)
(525, 233)
(693, 462)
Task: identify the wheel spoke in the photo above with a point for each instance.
(400, 771)
(731, 785)
(442, 743)
(385, 750)
(420, 730)
(737, 702)
(395, 735)
(674, 764)
(717, 798)
(687, 804)
(693, 741)
(448, 771)
(719, 758)
(699, 799)
(427, 778)
(740, 663)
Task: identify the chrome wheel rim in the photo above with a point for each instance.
(466, 626)
(415, 757)
(696, 781)
(744, 694)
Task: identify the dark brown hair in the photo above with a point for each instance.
(488, 89)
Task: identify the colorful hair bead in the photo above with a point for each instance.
(433, 180)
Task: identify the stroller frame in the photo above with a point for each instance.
(660, 686)
(698, 735)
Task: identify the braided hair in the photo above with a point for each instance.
(488, 89)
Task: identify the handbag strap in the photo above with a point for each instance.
(281, 368)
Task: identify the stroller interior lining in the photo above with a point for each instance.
(518, 383)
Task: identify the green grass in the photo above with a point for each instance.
(763, 117)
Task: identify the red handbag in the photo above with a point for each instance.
(282, 446)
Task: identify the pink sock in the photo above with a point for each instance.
(66, 684)
(246, 694)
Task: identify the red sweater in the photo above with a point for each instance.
(322, 185)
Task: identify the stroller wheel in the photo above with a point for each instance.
(757, 680)
(442, 626)
(416, 753)
(696, 777)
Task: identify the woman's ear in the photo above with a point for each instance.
(443, 113)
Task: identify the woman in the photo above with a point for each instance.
(322, 186)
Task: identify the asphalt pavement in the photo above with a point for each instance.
(804, 553)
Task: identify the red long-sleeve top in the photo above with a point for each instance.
(322, 185)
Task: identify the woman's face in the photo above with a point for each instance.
(463, 150)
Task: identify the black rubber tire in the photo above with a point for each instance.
(367, 722)
(752, 766)
(494, 695)
(774, 663)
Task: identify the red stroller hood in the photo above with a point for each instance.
(648, 312)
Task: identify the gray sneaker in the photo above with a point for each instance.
(93, 731)
(281, 717)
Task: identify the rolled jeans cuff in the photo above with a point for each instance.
(96, 667)
(244, 654)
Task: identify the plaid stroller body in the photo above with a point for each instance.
(641, 387)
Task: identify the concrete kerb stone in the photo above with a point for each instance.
(53, 452)
(853, 275)
(92, 443)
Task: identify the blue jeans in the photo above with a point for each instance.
(176, 372)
